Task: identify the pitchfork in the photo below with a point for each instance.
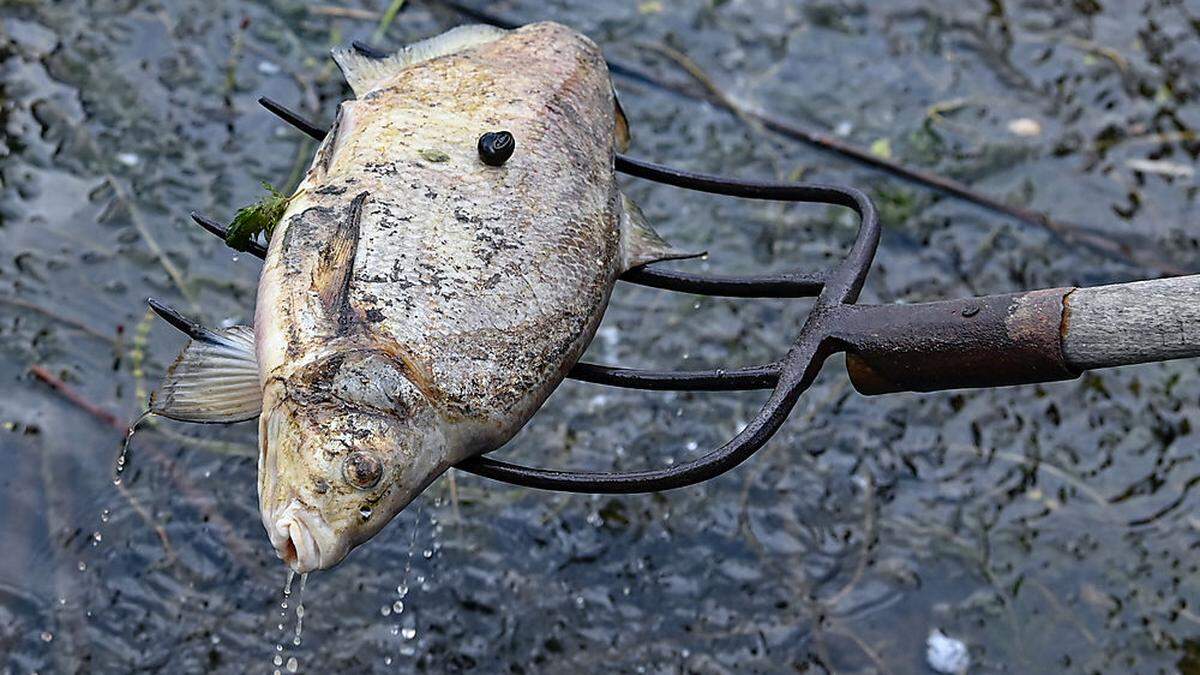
(996, 340)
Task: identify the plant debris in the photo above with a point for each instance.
(260, 217)
(433, 155)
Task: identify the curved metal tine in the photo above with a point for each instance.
(783, 285)
(190, 328)
(293, 118)
(732, 379)
(797, 373)
(252, 247)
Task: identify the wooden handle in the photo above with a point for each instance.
(1136, 322)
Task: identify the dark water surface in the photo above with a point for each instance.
(1051, 528)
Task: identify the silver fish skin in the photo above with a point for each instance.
(417, 305)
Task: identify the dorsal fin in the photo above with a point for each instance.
(364, 73)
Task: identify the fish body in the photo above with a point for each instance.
(417, 305)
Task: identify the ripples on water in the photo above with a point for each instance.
(1050, 528)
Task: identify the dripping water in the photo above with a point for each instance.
(123, 457)
(405, 630)
(283, 607)
(300, 610)
(292, 663)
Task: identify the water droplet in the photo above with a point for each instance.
(82, 566)
(235, 257)
(398, 607)
(402, 590)
(408, 633)
(47, 636)
(292, 664)
(104, 515)
(365, 512)
(96, 538)
(387, 660)
(296, 641)
(427, 553)
(300, 611)
(407, 651)
(278, 660)
(386, 610)
(692, 445)
(123, 457)
(579, 601)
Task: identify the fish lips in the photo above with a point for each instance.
(303, 540)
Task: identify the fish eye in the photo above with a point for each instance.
(362, 470)
(495, 147)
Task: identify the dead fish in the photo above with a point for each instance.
(423, 294)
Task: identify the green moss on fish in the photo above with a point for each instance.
(258, 218)
(433, 155)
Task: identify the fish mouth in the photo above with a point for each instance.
(303, 540)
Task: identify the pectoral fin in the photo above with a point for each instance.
(640, 244)
(214, 379)
(335, 266)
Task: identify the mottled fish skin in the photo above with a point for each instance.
(466, 292)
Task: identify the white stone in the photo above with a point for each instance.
(946, 654)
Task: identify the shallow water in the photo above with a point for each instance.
(1051, 527)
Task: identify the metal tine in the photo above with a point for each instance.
(781, 285)
(185, 325)
(252, 247)
(293, 118)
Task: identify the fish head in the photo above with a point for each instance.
(339, 459)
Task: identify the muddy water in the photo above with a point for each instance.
(1051, 528)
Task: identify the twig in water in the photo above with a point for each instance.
(69, 393)
(65, 320)
(135, 216)
(344, 12)
(868, 535)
